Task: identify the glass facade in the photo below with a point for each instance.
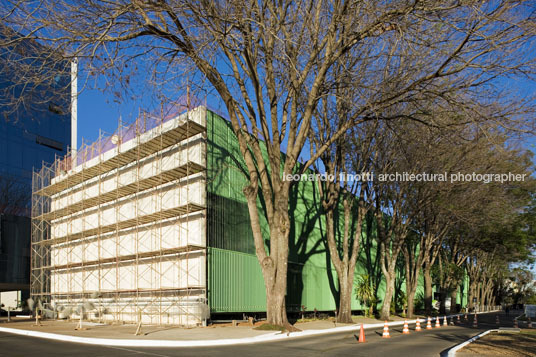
(25, 144)
(32, 139)
(35, 127)
(35, 123)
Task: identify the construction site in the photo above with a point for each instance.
(150, 225)
(118, 227)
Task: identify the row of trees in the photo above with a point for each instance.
(347, 86)
(440, 230)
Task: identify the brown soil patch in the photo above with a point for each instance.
(503, 344)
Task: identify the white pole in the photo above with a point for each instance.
(74, 107)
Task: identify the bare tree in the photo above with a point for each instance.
(483, 238)
(271, 62)
(34, 78)
(350, 154)
(437, 151)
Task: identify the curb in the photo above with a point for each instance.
(276, 336)
(453, 350)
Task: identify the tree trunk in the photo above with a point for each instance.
(411, 304)
(345, 302)
(385, 312)
(470, 304)
(344, 267)
(276, 313)
(442, 297)
(488, 290)
(274, 266)
(453, 298)
(411, 289)
(413, 265)
(276, 287)
(275, 282)
(481, 296)
(427, 274)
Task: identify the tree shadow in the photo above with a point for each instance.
(369, 258)
(339, 221)
(305, 218)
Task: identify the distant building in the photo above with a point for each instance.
(34, 128)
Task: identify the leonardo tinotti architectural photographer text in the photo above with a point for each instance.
(457, 177)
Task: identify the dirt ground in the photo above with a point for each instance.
(503, 344)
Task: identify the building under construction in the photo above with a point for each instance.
(118, 227)
(151, 223)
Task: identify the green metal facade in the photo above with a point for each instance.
(235, 282)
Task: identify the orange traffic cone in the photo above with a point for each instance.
(475, 321)
(362, 334)
(437, 323)
(405, 330)
(385, 331)
(445, 322)
(429, 323)
(418, 325)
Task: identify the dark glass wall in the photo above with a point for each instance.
(35, 127)
(32, 139)
(14, 252)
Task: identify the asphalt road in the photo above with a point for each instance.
(424, 343)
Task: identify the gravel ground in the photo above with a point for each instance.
(503, 344)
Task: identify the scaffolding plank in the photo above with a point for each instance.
(130, 257)
(183, 131)
(76, 295)
(157, 216)
(190, 168)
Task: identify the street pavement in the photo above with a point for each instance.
(425, 343)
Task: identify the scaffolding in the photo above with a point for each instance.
(119, 226)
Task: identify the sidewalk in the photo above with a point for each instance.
(214, 335)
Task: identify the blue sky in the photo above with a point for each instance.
(98, 110)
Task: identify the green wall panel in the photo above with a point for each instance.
(235, 282)
(234, 275)
(310, 282)
(310, 286)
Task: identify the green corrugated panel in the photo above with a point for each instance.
(311, 278)
(235, 282)
(310, 281)
(317, 288)
(463, 293)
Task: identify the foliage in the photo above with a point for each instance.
(531, 300)
(419, 301)
(401, 301)
(520, 287)
(365, 293)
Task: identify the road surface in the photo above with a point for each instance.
(424, 343)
